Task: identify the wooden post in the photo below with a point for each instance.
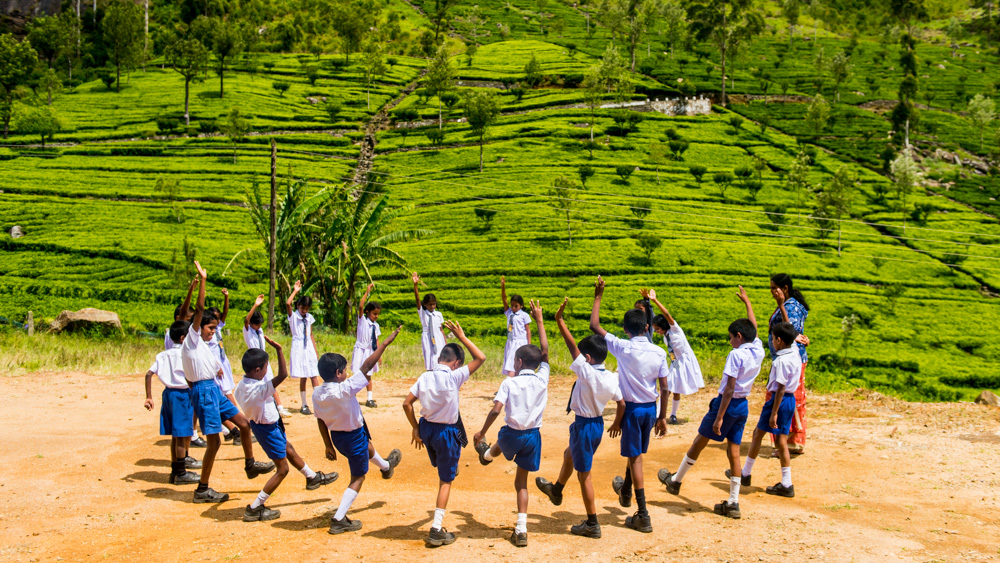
(272, 243)
(31, 323)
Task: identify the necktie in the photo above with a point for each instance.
(305, 333)
(260, 340)
(570, 401)
(374, 338)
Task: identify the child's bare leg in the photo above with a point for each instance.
(495, 450)
(733, 452)
(356, 483)
(784, 455)
(697, 446)
(246, 437)
(587, 489)
(316, 382)
(444, 491)
(293, 457)
(758, 437)
(229, 425)
(278, 477)
(206, 464)
(521, 487)
(177, 449)
(302, 385)
(567, 468)
(635, 465)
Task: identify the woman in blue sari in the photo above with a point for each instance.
(792, 308)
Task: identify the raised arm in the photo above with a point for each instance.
(779, 298)
(291, 298)
(666, 313)
(256, 303)
(477, 355)
(543, 339)
(364, 300)
(564, 330)
(746, 301)
(199, 309)
(186, 306)
(282, 364)
(595, 313)
(416, 290)
(382, 345)
(225, 305)
(503, 293)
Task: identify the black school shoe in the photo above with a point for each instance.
(199, 443)
(191, 463)
(481, 449)
(320, 479)
(639, 522)
(186, 478)
(438, 537)
(546, 488)
(586, 530)
(305, 410)
(345, 525)
(395, 456)
(673, 419)
(260, 514)
(781, 491)
(728, 509)
(624, 497)
(210, 495)
(665, 477)
(259, 468)
(370, 403)
(744, 479)
(519, 540)
(238, 439)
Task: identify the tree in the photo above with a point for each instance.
(585, 171)
(482, 108)
(333, 108)
(593, 93)
(837, 197)
(698, 171)
(797, 179)
(41, 121)
(235, 126)
(955, 33)
(790, 10)
(472, 20)
(678, 148)
(658, 153)
(50, 83)
(818, 114)
(624, 171)
(727, 24)
(227, 44)
(905, 175)
(532, 72)
(352, 20)
(48, 37)
(982, 112)
(122, 28)
(892, 293)
(190, 59)
(640, 212)
(486, 216)
(649, 244)
(439, 78)
(723, 180)
(675, 31)
(373, 65)
(17, 60)
(71, 39)
(840, 71)
(439, 16)
(281, 87)
(562, 192)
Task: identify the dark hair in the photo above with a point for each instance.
(177, 312)
(785, 280)
(428, 297)
(208, 317)
(660, 321)
(595, 347)
(214, 310)
(452, 352)
(640, 304)
(256, 318)
(530, 356)
(254, 358)
(329, 364)
(517, 299)
(635, 322)
(785, 331)
(372, 306)
(178, 329)
(744, 328)
(303, 301)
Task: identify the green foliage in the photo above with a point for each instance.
(649, 244)
(41, 121)
(624, 171)
(280, 86)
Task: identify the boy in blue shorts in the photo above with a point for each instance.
(641, 364)
(255, 394)
(343, 428)
(593, 388)
(778, 412)
(176, 412)
(201, 367)
(440, 429)
(523, 396)
(727, 413)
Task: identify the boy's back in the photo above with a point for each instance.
(169, 368)
(524, 397)
(743, 364)
(438, 393)
(594, 387)
(256, 398)
(335, 403)
(640, 364)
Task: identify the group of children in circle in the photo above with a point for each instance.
(198, 390)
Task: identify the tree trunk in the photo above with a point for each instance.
(592, 117)
(369, 91)
(272, 243)
(49, 103)
(187, 115)
(723, 50)
(146, 44)
(118, 78)
(440, 119)
(480, 153)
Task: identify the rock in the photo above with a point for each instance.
(16, 231)
(988, 398)
(89, 318)
(941, 67)
(311, 100)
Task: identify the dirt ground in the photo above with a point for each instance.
(84, 477)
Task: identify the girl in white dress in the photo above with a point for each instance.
(431, 336)
(685, 372)
(518, 327)
(304, 360)
(367, 339)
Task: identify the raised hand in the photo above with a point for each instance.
(562, 307)
(259, 301)
(415, 278)
(742, 294)
(201, 271)
(503, 281)
(599, 287)
(536, 309)
(652, 295)
(644, 293)
(371, 286)
(298, 286)
(454, 328)
(225, 292)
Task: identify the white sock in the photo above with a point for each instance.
(261, 499)
(369, 395)
(686, 464)
(488, 456)
(438, 518)
(309, 473)
(379, 462)
(345, 503)
(734, 490)
(748, 466)
(673, 407)
(522, 523)
(786, 476)
(302, 395)
(225, 431)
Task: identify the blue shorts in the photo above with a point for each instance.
(211, 406)
(786, 412)
(732, 422)
(636, 426)
(176, 413)
(354, 446)
(584, 436)
(443, 447)
(522, 446)
(271, 438)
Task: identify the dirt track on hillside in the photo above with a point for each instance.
(84, 477)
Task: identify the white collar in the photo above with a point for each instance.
(785, 351)
(640, 339)
(598, 367)
(526, 372)
(442, 367)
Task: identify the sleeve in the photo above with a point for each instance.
(191, 342)
(579, 365)
(678, 340)
(502, 393)
(268, 388)
(525, 318)
(378, 330)
(356, 383)
(508, 313)
(461, 375)
(543, 372)
(796, 314)
(155, 368)
(758, 345)
(221, 326)
(618, 393)
(310, 319)
(291, 326)
(734, 365)
(415, 390)
(423, 316)
(246, 337)
(664, 366)
(614, 344)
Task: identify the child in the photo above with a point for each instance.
(647, 309)
(303, 352)
(592, 390)
(254, 393)
(253, 336)
(440, 429)
(640, 365)
(518, 327)
(181, 313)
(200, 369)
(224, 379)
(523, 397)
(367, 334)
(779, 410)
(343, 427)
(176, 413)
(685, 373)
(431, 337)
(727, 413)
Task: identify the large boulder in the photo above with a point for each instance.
(987, 398)
(86, 319)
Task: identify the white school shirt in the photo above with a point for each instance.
(430, 324)
(167, 342)
(437, 391)
(516, 324)
(594, 387)
(255, 339)
(524, 397)
(785, 370)
(640, 364)
(364, 334)
(743, 364)
(200, 363)
(298, 328)
(225, 381)
(256, 400)
(170, 368)
(335, 403)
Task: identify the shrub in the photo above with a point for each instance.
(435, 136)
(624, 171)
(281, 87)
(698, 171)
(207, 126)
(167, 125)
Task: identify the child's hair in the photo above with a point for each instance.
(659, 321)
(530, 355)
(177, 311)
(452, 352)
(595, 347)
(256, 318)
(640, 304)
(635, 322)
(303, 301)
(214, 310)
(208, 317)
(744, 328)
(329, 364)
(517, 299)
(785, 331)
(428, 297)
(254, 358)
(372, 306)
(178, 329)
(785, 280)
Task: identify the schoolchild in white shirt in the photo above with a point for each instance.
(685, 373)
(225, 378)
(518, 327)
(255, 394)
(523, 398)
(343, 427)
(253, 336)
(367, 339)
(593, 389)
(182, 312)
(727, 413)
(303, 349)
(440, 429)
(431, 320)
